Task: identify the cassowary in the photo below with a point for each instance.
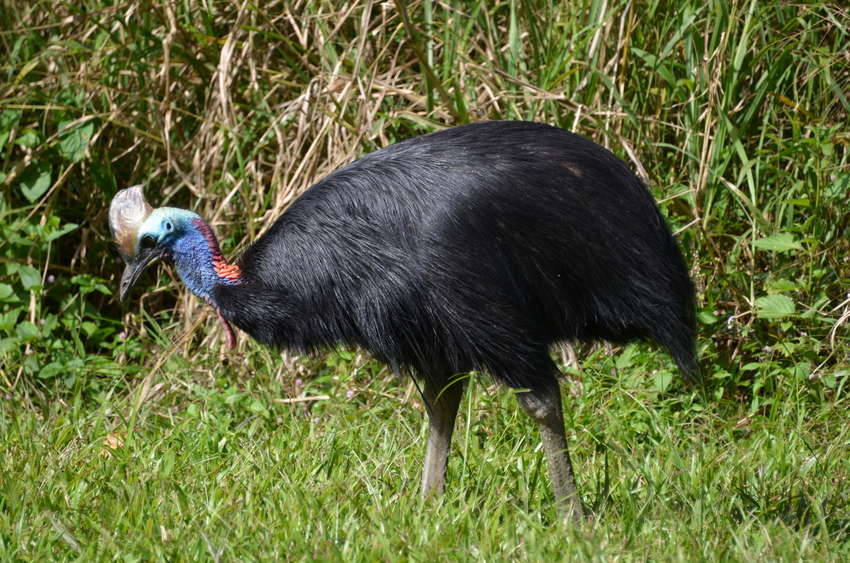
(470, 249)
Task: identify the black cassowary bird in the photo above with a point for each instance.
(469, 249)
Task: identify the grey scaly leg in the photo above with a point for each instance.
(544, 407)
(442, 405)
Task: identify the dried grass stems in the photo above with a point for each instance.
(234, 108)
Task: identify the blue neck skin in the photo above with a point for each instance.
(194, 261)
(191, 244)
(187, 239)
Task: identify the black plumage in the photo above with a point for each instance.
(474, 248)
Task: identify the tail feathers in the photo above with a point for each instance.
(690, 369)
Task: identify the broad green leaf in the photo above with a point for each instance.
(90, 283)
(707, 317)
(9, 319)
(259, 408)
(50, 370)
(839, 187)
(802, 370)
(31, 364)
(50, 322)
(8, 344)
(73, 143)
(63, 230)
(781, 285)
(626, 358)
(781, 242)
(103, 289)
(6, 291)
(36, 180)
(774, 307)
(661, 380)
(26, 330)
(9, 118)
(30, 277)
(28, 138)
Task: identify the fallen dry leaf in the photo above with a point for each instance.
(113, 441)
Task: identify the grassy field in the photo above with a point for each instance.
(130, 432)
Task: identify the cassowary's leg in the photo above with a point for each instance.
(545, 408)
(442, 405)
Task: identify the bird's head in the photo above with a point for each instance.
(143, 234)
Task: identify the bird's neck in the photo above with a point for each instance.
(200, 263)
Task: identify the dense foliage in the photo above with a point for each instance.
(737, 114)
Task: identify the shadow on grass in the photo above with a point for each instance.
(797, 511)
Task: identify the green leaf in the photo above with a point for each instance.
(90, 283)
(781, 242)
(30, 277)
(73, 143)
(721, 374)
(707, 317)
(661, 381)
(36, 180)
(26, 330)
(6, 291)
(28, 138)
(839, 187)
(9, 319)
(627, 357)
(89, 328)
(652, 61)
(781, 285)
(8, 344)
(8, 119)
(774, 307)
(259, 408)
(103, 289)
(50, 370)
(50, 322)
(513, 40)
(802, 370)
(63, 230)
(31, 364)
(802, 202)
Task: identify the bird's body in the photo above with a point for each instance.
(470, 249)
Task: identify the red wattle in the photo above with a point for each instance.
(231, 337)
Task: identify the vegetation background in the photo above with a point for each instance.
(129, 432)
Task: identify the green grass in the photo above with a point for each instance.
(737, 116)
(222, 472)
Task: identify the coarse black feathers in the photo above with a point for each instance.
(473, 248)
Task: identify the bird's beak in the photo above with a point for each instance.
(136, 266)
(127, 212)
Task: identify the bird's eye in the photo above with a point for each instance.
(168, 226)
(148, 240)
